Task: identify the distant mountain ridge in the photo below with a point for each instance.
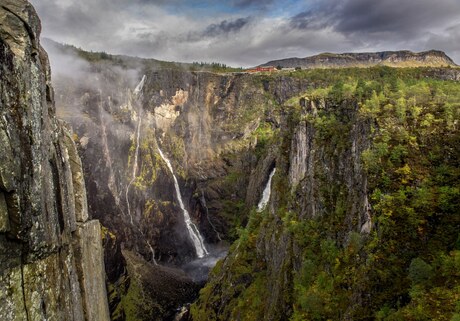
(402, 58)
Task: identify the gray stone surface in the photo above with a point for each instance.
(39, 168)
(4, 221)
(90, 269)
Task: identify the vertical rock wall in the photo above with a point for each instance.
(50, 253)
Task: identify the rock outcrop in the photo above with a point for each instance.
(51, 265)
(403, 58)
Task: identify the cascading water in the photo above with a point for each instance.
(136, 96)
(151, 250)
(108, 159)
(203, 201)
(266, 193)
(193, 231)
(139, 86)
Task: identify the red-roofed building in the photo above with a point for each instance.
(262, 69)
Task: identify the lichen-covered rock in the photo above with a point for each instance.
(90, 269)
(40, 190)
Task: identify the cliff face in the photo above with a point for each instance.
(403, 58)
(51, 254)
(315, 175)
(362, 209)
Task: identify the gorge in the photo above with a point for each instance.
(310, 194)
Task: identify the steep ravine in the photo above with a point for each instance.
(51, 256)
(211, 127)
(224, 134)
(362, 222)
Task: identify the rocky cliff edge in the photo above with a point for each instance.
(402, 58)
(51, 260)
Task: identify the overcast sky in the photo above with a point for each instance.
(251, 32)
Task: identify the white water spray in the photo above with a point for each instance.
(266, 193)
(193, 231)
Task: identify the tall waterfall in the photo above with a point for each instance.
(266, 193)
(108, 159)
(136, 96)
(133, 177)
(140, 86)
(193, 231)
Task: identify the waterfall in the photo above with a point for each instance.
(140, 86)
(203, 201)
(367, 225)
(151, 250)
(136, 95)
(266, 193)
(111, 183)
(192, 229)
(133, 177)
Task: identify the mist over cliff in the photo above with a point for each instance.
(223, 194)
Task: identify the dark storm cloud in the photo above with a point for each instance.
(226, 27)
(368, 17)
(394, 16)
(252, 3)
(447, 41)
(386, 24)
(310, 20)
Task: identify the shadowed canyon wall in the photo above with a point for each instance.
(51, 256)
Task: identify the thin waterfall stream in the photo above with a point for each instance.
(266, 193)
(203, 202)
(108, 159)
(136, 95)
(133, 177)
(192, 229)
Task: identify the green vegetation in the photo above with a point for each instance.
(151, 161)
(213, 67)
(265, 137)
(127, 62)
(404, 125)
(245, 286)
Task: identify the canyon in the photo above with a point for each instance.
(292, 195)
